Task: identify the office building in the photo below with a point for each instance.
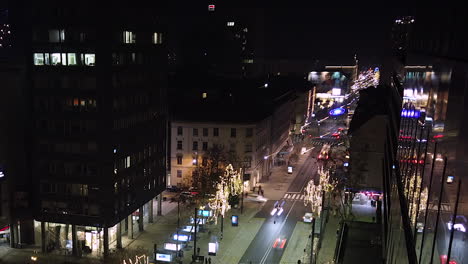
(96, 121)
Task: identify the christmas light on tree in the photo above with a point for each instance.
(230, 185)
(313, 194)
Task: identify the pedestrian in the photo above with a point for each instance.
(260, 187)
(254, 188)
(209, 260)
(198, 251)
(206, 261)
(263, 194)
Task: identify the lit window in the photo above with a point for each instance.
(129, 37)
(89, 59)
(127, 162)
(56, 59)
(71, 58)
(38, 59)
(248, 61)
(204, 95)
(230, 24)
(157, 38)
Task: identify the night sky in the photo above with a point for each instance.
(331, 34)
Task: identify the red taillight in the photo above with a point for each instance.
(320, 156)
(276, 243)
(283, 243)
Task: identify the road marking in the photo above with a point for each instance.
(286, 196)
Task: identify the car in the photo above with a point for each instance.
(308, 217)
(186, 194)
(279, 243)
(460, 224)
(173, 188)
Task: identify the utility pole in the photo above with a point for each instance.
(454, 219)
(312, 242)
(438, 209)
(195, 234)
(242, 195)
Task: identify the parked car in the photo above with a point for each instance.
(308, 217)
(186, 194)
(173, 188)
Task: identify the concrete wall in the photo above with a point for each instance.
(367, 152)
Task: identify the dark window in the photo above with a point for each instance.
(205, 132)
(179, 131)
(195, 145)
(233, 132)
(248, 132)
(205, 146)
(247, 162)
(248, 148)
(195, 132)
(179, 159)
(179, 173)
(204, 161)
(215, 132)
(179, 145)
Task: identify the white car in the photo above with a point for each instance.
(308, 217)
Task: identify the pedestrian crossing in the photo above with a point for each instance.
(322, 142)
(291, 196)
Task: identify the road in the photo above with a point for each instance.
(261, 248)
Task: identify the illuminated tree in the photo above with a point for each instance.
(314, 194)
(415, 195)
(230, 185)
(366, 79)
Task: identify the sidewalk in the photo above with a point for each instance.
(236, 239)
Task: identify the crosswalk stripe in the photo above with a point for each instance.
(294, 197)
(286, 196)
(302, 197)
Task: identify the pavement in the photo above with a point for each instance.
(262, 249)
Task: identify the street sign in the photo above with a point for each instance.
(212, 248)
(163, 257)
(235, 220)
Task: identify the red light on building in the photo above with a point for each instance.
(438, 136)
(211, 7)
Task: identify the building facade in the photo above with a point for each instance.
(252, 146)
(97, 121)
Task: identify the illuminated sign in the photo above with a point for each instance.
(212, 248)
(189, 229)
(163, 257)
(336, 91)
(410, 113)
(181, 237)
(211, 7)
(172, 246)
(235, 220)
(205, 213)
(200, 221)
(450, 179)
(337, 111)
(290, 169)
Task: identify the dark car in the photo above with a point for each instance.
(173, 188)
